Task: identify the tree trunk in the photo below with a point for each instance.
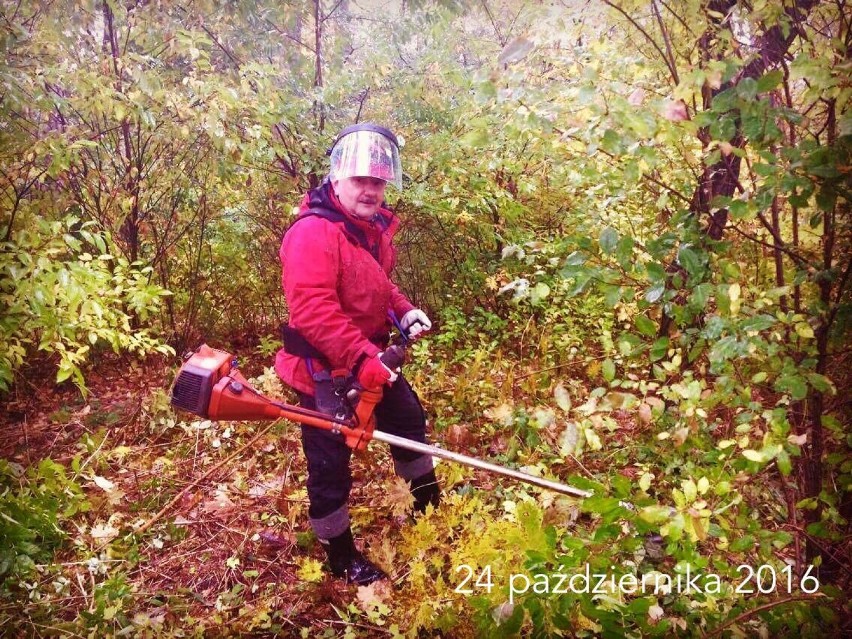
(319, 107)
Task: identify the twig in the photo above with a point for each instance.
(180, 495)
(766, 606)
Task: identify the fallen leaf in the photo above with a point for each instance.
(399, 498)
(103, 483)
(502, 413)
(569, 440)
(259, 490)
(458, 436)
(654, 402)
(104, 532)
(274, 541)
(563, 398)
(114, 497)
(373, 595)
(220, 503)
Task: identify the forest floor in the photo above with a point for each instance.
(196, 526)
(224, 545)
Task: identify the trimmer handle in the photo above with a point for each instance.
(393, 357)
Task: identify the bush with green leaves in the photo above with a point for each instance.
(65, 294)
(33, 504)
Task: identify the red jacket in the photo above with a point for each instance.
(337, 293)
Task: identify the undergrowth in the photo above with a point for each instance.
(683, 536)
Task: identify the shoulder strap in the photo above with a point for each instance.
(352, 232)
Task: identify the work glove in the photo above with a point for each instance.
(373, 373)
(415, 322)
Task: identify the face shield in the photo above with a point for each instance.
(366, 153)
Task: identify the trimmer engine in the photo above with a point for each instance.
(209, 385)
(197, 377)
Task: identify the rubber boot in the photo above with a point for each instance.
(347, 562)
(426, 491)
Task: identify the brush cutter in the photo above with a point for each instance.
(210, 385)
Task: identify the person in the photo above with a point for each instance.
(337, 258)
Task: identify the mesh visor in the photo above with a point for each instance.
(366, 154)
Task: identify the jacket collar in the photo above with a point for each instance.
(324, 197)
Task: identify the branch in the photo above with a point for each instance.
(195, 483)
(287, 35)
(798, 259)
(766, 606)
(678, 18)
(493, 24)
(236, 61)
(330, 13)
(668, 42)
(671, 190)
(647, 36)
(774, 45)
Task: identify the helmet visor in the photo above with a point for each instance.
(366, 154)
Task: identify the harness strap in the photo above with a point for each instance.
(352, 231)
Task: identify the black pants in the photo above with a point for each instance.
(329, 477)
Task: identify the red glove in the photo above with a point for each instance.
(374, 373)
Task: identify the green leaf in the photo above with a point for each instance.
(65, 371)
(608, 239)
(689, 260)
(792, 384)
(820, 383)
(769, 81)
(655, 514)
(700, 295)
(723, 129)
(608, 369)
(659, 348)
(754, 455)
(645, 326)
(612, 295)
(747, 88)
(746, 542)
(785, 465)
(575, 259)
(725, 349)
(655, 293)
(624, 251)
(601, 505)
(539, 292)
(758, 323)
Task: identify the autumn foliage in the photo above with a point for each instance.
(630, 221)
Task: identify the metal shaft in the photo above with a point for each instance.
(434, 451)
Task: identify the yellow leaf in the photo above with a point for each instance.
(798, 440)
(310, 570)
(804, 330)
(734, 291)
(399, 499)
